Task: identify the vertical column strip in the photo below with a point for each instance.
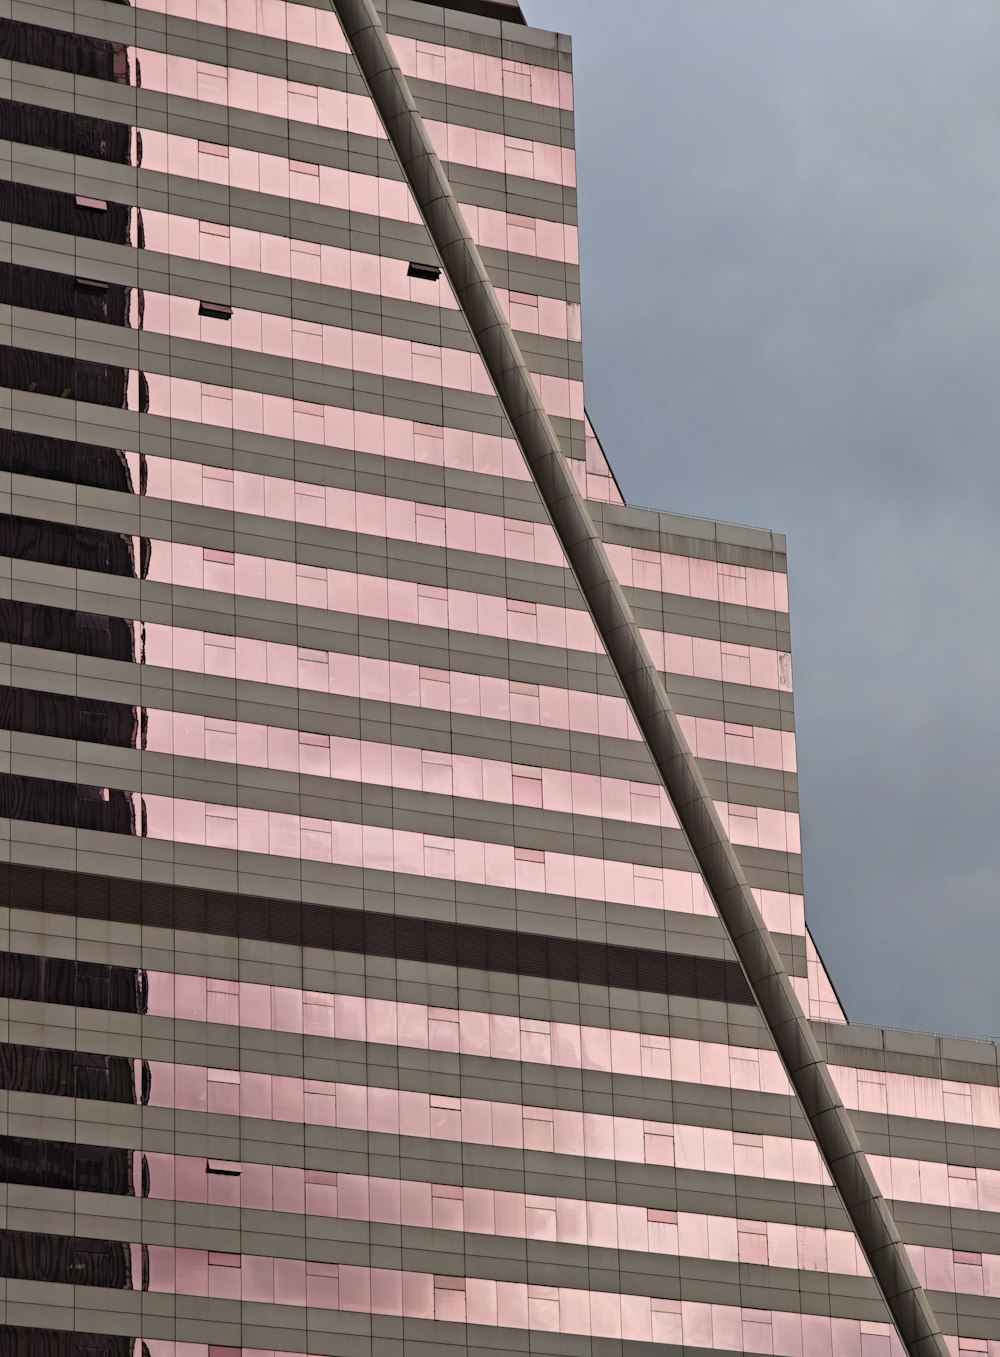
(793, 1037)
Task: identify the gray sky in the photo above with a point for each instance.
(790, 218)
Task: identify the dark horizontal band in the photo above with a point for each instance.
(64, 716)
(62, 980)
(486, 9)
(63, 294)
(70, 545)
(58, 1073)
(57, 50)
(17, 1341)
(68, 1166)
(66, 1260)
(71, 378)
(74, 805)
(58, 459)
(49, 209)
(367, 933)
(74, 133)
(66, 630)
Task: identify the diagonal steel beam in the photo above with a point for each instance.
(793, 1037)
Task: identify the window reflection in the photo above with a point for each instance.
(460, 529)
(163, 1269)
(34, 1342)
(281, 664)
(185, 77)
(75, 133)
(69, 1166)
(71, 1074)
(258, 171)
(49, 210)
(263, 332)
(69, 631)
(56, 459)
(378, 848)
(113, 1078)
(425, 60)
(489, 1035)
(85, 984)
(68, 1261)
(75, 53)
(474, 1121)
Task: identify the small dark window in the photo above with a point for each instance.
(221, 1173)
(92, 286)
(215, 310)
(429, 272)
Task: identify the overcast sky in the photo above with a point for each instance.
(790, 216)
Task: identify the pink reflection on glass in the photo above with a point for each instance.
(476, 1121)
(194, 736)
(459, 775)
(491, 1035)
(233, 87)
(554, 1309)
(261, 332)
(487, 74)
(916, 1096)
(380, 680)
(727, 742)
(702, 658)
(239, 247)
(261, 172)
(416, 854)
(459, 530)
(427, 61)
(761, 827)
(497, 230)
(594, 475)
(328, 425)
(270, 18)
(695, 578)
(342, 591)
(817, 1340)
(425, 523)
(601, 489)
(783, 913)
(515, 156)
(937, 1184)
(821, 1000)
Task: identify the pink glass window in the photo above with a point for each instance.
(552, 1309)
(262, 252)
(476, 1121)
(413, 853)
(257, 171)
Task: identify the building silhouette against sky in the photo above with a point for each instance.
(392, 968)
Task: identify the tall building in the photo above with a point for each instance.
(401, 870)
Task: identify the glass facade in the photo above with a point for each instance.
(362, 993)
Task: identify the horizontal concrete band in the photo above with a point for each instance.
(836, 1137)
(367, 933)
